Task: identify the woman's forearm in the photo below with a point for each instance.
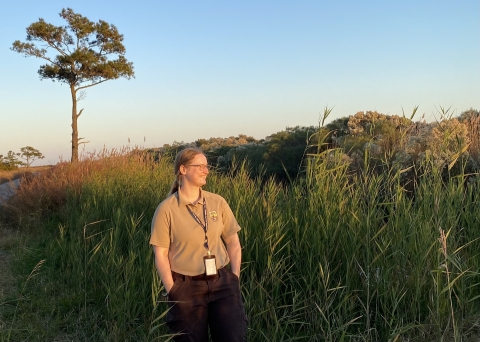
(234, 250)
(162, 265)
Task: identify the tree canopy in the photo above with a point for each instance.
(80, 56)
(27, 153)
(30, 154)
(10, 161)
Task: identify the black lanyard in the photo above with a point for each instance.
(204, 226)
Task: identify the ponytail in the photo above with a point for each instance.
(182, 158)
(175, 185)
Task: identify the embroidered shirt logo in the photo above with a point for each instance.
(213, 215)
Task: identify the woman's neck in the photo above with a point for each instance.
(191, 194)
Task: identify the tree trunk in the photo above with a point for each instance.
(74, 125)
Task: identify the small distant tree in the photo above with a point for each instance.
(83, 49)
(10, 161)
(30, 154)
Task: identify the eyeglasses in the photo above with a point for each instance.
(201, 167)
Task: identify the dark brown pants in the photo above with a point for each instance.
(197, 305)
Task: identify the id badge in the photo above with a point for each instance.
(210, 265)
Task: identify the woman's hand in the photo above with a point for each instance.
(168, 287)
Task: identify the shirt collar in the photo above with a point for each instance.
(183, 202)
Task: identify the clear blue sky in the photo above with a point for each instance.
(221, 68)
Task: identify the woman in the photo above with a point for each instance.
(198, 256)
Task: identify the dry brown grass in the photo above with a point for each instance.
(9, 175)
(473, 127)
(47, 191)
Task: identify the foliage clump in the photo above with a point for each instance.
(383, 139)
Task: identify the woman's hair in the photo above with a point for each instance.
(183, 157)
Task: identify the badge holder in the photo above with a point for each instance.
(210, 265)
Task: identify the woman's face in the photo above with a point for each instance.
(195, 172)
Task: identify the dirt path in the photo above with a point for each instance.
(8, 189)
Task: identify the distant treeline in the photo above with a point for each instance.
(27, 153)
(452, 142)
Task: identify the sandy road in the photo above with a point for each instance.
(8, 189)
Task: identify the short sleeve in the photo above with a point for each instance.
(161, 227)
(230, 224)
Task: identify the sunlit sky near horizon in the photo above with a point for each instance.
(221, 68)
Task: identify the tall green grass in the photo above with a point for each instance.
(333, 256)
